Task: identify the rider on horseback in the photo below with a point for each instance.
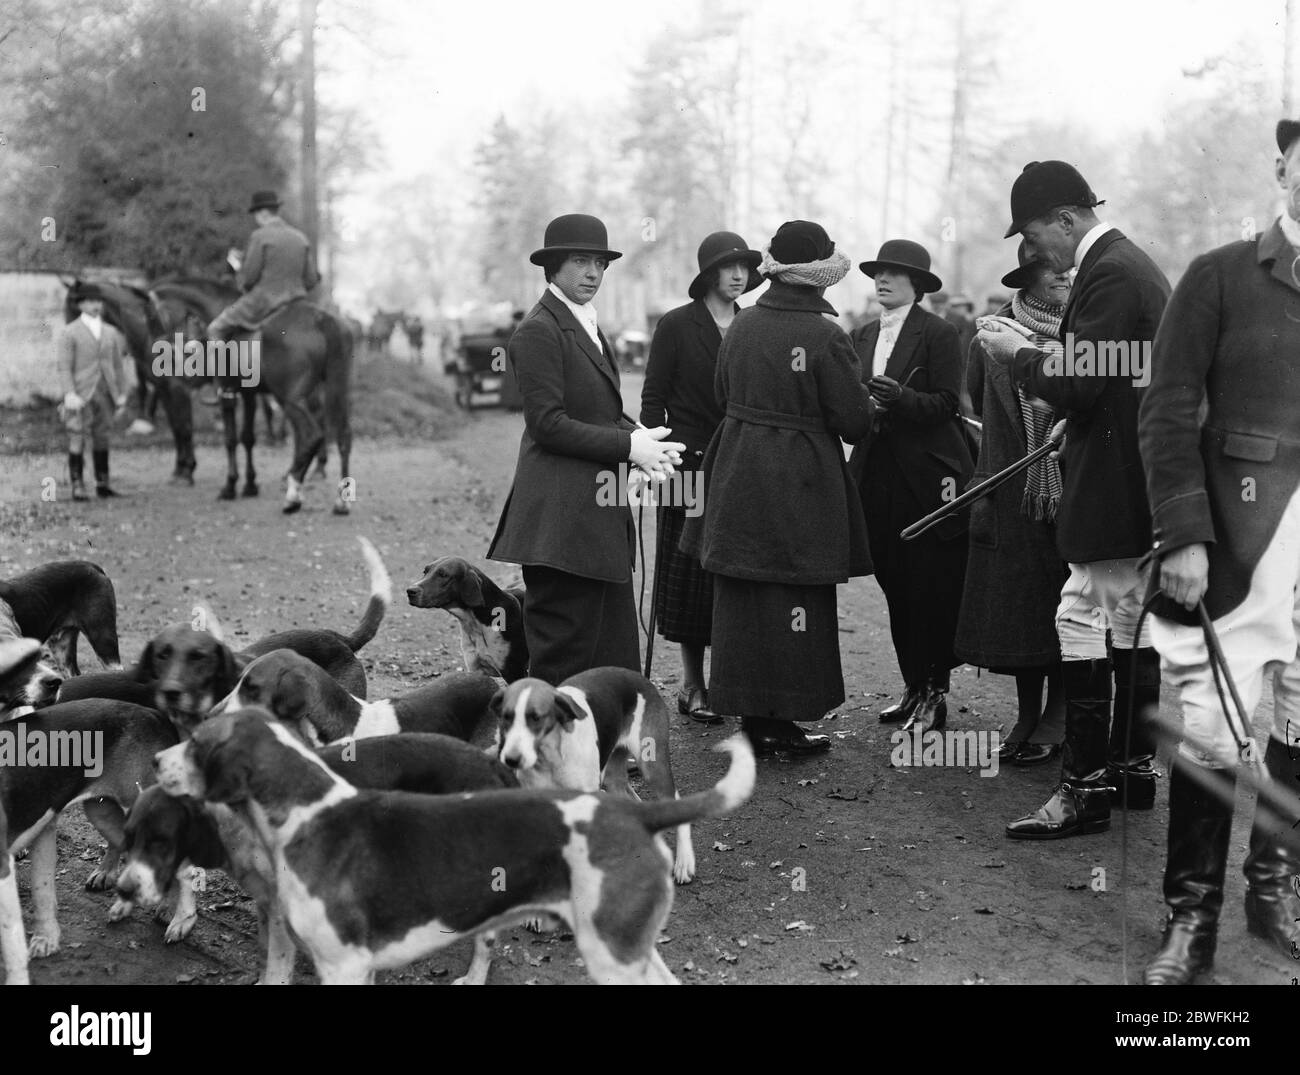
(278, 268)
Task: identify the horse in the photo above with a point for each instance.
(130, 311)
(303, 349)
(381, 329)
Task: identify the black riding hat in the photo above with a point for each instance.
(1288, 130)
(264, 199)
(718, 249)
(1041, 187)
(1023, 276)
(574, 233)
(83, 290)
(909, 256)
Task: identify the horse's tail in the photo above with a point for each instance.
(338, 371)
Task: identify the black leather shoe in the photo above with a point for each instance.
(1186, 949)
(1010, 749)
(1036, 753)
(782, 737)
(931, 712)
(1135, 788)
(105, 491)
(902, 709)
(1071, 811)
(693, 705)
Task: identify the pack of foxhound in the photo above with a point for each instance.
(368, 832)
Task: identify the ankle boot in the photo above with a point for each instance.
(931, 712)
(1273, 864)
(102, 488)
(77, 472)
(1131, 768)
(902, 709)
(1200, 821)
(1081, 802)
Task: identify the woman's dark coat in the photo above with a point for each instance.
(922, 425)
(572, 456)
(1013, 571)
(679, 376)
(779, 505)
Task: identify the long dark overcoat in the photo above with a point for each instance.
(572, 454)
(779, 505)
(1013, 571)
(1230, 338)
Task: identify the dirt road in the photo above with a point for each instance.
(839, 869)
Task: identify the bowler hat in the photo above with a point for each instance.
(718, 249)
(798, 242)
(907, 255)
(83, 290)
(1288, 130)
(1041, 187)
(571, 234)
(1022, 276)
(264, 199)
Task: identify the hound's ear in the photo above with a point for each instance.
(144, 672)
(471, 591)
(568, 710)
(227, 671)
(496, 702)
(289, 700)
(224, 781)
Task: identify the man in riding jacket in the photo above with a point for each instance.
(93, 380)
(278, 268)
(1225, 503)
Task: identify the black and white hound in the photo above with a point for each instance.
(375, 880)
(491, 618)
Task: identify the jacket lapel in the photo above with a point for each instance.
(1094, 252)
(909, 336)
(569, 323)
(710, 337)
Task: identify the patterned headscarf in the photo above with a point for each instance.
(822, 273)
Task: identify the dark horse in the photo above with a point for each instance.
(130, 311)
(302, 349)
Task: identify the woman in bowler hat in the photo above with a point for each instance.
(679, 393)
(781, 524)
(575, 546)
(916, 461)
(1013, 570)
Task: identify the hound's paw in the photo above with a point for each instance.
(100, 880)
(684, 870)
(43, 943)
(539, 925)
(17, 976)
(179, 928)
(121, 910)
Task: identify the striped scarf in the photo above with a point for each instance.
(1043, 481)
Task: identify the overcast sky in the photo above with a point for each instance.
(434, 74)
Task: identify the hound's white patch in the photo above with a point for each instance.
(483, 648)
(517, 747)
(573, 756)
(13, 945)
(23, 839)
(177, 774)
(377, 718)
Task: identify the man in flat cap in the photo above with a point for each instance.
(1103, 525)
(1226, 512)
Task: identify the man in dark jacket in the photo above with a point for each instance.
(1227, 525)
(1103, 524)
(277, 268)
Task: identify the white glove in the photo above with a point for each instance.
(73, 402)
(651, 453)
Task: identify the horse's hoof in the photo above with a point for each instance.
(341, 509)
(250, 489)
(292, 506)
(182, 479)
(227, 493)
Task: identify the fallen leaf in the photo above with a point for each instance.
(800, 925)
(718, 845)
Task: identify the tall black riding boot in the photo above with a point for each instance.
(1272, 905)
(1081, 803)
(1200, 821)
(77, 473)
(102, 488)
(1131, 770)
